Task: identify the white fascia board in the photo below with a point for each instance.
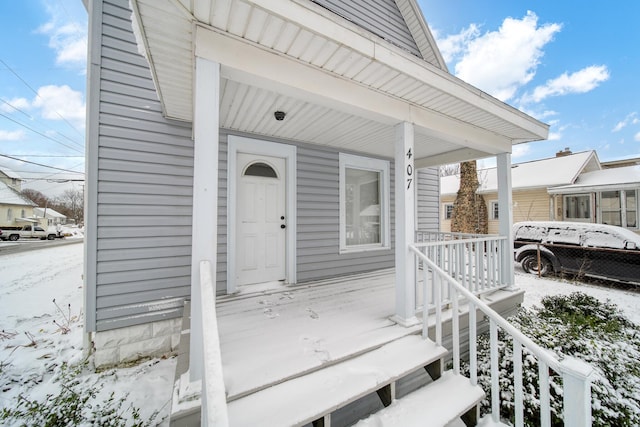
(592, 188)
(456, 156)
(258, 66)
(327, 26)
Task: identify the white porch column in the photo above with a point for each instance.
(505, 214)
(205, 195)
(405, 175)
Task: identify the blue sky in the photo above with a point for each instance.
(42, 90)
(571, 65)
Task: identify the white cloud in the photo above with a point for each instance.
(580, 81)
(61, 103)
(554, 136)
(14, 104)
(520, 150)
(631, 119)
(67, 37)
(452, 47)
(500, 62)
(637, 137)
(15, 135)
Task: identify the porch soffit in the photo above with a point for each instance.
(302, 33)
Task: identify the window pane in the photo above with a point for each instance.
(362, 207)
(495, 210)
(448, 211)
(632, 206)
(261, 169)
(611, 212)
(577, 207)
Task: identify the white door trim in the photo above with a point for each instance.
(258, 147)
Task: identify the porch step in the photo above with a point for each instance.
(310, 397)
(437, 404)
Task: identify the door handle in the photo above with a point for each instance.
(283, 226)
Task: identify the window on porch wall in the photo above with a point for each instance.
(578, 207)
(632, 208)
(611, 208)
(619, 208)
(363, 203)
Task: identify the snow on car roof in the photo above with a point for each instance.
(626, 234)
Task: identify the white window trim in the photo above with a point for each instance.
(623, 205)
(375, 165)
(444, 211)
(591, 208)
(492, 210)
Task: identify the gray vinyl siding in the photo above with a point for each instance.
(428, 199)
(381, 17)
(318, 227)
(144, 196)
(144, 182)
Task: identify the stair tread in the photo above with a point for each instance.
(309, 397)
(436, 404)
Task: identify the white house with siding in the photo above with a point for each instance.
(257, 169)
(573, 187)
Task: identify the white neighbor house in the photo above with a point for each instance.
(258, 159)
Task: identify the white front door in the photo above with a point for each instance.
(261, 221)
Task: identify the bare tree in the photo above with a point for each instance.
(469, 208)
(37, 197)
(451, 169)
(71, 204)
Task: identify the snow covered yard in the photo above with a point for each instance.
(40, 335)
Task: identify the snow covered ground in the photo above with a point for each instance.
(41, 297)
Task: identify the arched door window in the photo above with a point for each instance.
(260, 169)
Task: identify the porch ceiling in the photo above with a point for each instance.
(339, 85)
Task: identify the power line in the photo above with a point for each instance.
(40, 133)
(34, 119)
(40, 164)
(38, 95)
(45, 155)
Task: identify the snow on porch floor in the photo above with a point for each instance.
(269, 335)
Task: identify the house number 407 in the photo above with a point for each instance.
(409, 170)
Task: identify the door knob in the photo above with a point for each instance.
(283, 226)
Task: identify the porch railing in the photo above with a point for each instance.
(575, 374)
(213, 398)
(475, 260)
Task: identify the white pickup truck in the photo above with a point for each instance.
(27, 232)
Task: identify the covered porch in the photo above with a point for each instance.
(298, 73)
(278, 333)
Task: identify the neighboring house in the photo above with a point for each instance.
(52, 216)
(10, 178)
(15, 209)
(568, 187)
(271, 142)
(607, 196)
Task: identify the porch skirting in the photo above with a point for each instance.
(133, 343)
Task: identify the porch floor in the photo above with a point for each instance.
(270, 335)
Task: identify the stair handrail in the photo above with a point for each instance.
(213, 399)
(576, 373)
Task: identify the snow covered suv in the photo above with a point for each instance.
(596, 250)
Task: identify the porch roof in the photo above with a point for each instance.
(339, 84)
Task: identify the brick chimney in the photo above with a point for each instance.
(564, 152)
